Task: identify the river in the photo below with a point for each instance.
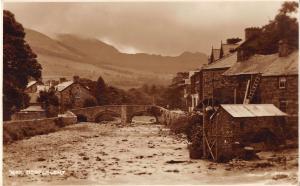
(140, 153)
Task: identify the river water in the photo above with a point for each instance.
(140, 153)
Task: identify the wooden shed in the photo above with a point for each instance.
(242, 125)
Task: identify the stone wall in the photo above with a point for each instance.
(28, 115)
(168, 117)
(17, 130)
(214, 85)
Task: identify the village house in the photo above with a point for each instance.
(206, 84)
(72, 94)
(34, 110)
(190, 93)
(213, 87)
(233, 128)
(268, 79)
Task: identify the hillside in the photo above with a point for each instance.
(69, 55)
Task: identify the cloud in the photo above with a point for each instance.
(167, 28)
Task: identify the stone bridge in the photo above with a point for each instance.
(126, 112)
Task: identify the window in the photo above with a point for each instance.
(283, 105)
(282, 82)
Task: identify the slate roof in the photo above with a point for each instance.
(225, 62)
(62, 86)
(267, 65)
(31, 83)
(252, 110)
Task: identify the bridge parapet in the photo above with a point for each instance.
(126, 112)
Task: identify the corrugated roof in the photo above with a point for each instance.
(267, 65)
(31, 83)
(60, 87)
(252, 110)
(225, 62)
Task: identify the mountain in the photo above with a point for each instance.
(68, 55)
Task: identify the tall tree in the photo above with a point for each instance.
(49, 102)
(19, 64)
(101, 90)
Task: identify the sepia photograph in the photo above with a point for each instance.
(154, 92)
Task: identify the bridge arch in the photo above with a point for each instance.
(81, 118)
(106, 115)
(142, 111)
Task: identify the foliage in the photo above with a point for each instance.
(49, 102)
(101, 92)
(19, 64)
(283, 27)
(172, 96)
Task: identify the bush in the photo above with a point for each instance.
(179, 125)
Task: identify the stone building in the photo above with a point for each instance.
(267, 79)
(190, 95)
(213, 85)
(235, 126)
(72, 94)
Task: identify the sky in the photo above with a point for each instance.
(165, 28)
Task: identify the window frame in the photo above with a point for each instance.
(282, 80)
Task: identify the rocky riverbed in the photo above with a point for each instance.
(141, 153)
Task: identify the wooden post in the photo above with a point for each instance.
(246, 93)
(234, 95)
(123, 114)
(203, 131)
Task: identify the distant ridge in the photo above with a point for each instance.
(68, 54)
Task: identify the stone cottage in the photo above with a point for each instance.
(72, 94)
(236, 126)
(213, 85)
(268, 79)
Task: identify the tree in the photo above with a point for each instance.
(283, 27)
(49, 102)
(101, 91)
(19, 64)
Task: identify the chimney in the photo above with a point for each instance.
(283, 48)
(76, 79)
(252, 32)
